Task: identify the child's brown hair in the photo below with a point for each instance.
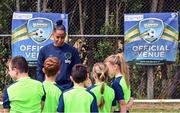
(20, 63)
(51, 66)
(79, 73)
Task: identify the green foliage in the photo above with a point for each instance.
(139, 94)
(3, 50)
(178, 54)
(103, 49)
(105, 46)
(135, 7)
(4, 55)
(137, 76)
(109, 29)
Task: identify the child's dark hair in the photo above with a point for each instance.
(51, 66)
(20, 63)
(59, 26)
(79, 73)
(100, 70)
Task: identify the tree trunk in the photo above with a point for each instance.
(93, 21)
(17, 5)
(63, 6)
(45, 5)
(84, 10)
(73, 13)
(117, 16)
(154, 5)
(107, 16)
(160, 5)
(107, 13)
(39, 5)
(122, 8)
(56, 7)
(81, 17)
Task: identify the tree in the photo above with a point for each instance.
(17, 5)
(94, 17)
(121, 6)
(44, 9)
(154, 5)
(4, 55)
(117, 15)
(63, 6)
(107, 15)
(81, 17)
(160, 5)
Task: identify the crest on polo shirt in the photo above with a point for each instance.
(68, 57)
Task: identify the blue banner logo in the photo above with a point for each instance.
(151, 38)
(39, 29)
(151, 29)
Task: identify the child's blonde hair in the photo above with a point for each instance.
(119, 60)
(100, 70)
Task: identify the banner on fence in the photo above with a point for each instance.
(151, 38)
(31, 31)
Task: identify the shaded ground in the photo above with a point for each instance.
(156, 108)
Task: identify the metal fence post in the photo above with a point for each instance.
(150, 82)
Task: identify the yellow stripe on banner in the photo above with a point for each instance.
(168, 38)
(132, 40)
(20, 39)
(19, 28)
(31, 34)
(131, 29)
(174, 34)
(22, 34)
(135, 31)
(21, 31)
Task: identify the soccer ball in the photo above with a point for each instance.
(40, 33)
(151, 33)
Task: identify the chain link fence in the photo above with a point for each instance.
(96, 30)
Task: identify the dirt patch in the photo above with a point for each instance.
(156, 107)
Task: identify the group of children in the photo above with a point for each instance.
(28, 95)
